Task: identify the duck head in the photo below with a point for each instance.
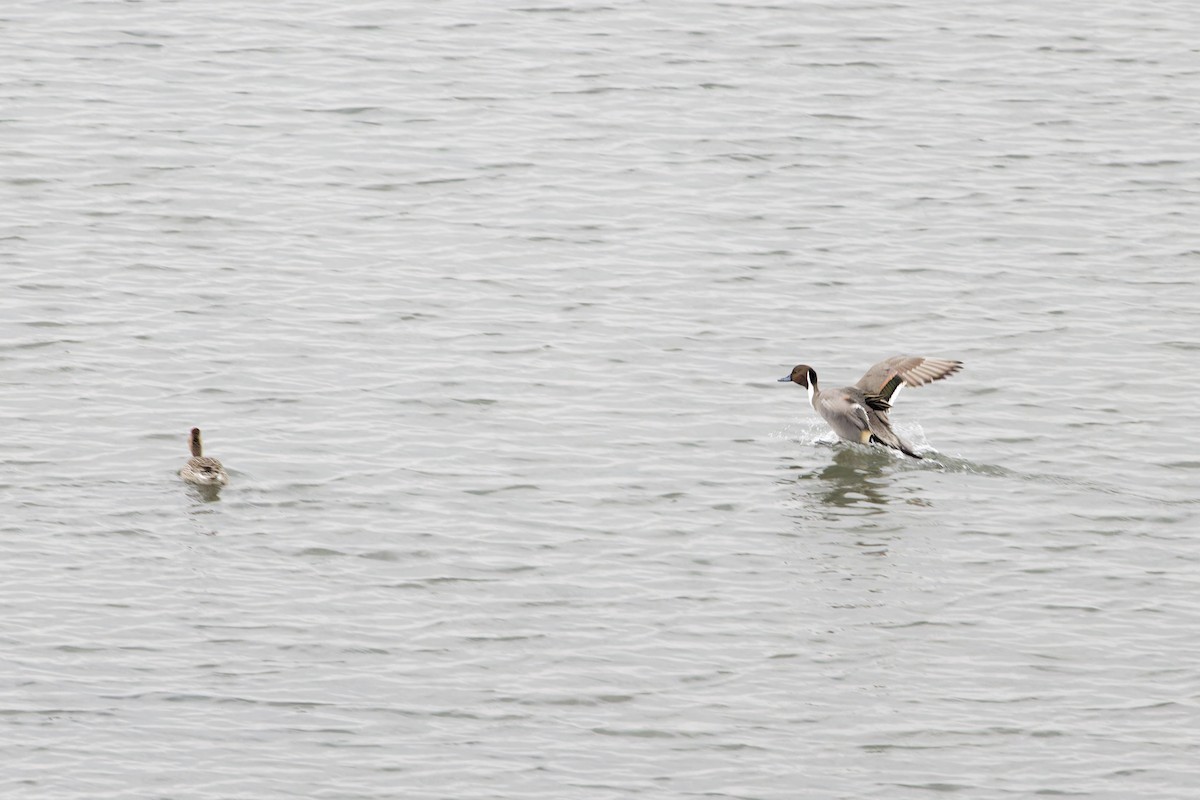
(802, 374)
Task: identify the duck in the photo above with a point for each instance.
(859, 413)
(200, 469)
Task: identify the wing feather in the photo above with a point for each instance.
(885, 378)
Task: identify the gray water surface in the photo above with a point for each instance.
(483, 305)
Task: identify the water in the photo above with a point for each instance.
(482, 306)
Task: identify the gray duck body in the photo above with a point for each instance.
(859, 413)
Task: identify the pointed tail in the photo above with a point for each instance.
(898, 444)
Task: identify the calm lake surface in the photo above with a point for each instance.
(483, 306)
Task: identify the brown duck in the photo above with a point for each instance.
(201, 469)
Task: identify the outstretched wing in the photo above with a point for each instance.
(885, 378)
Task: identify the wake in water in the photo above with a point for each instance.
(814, 433)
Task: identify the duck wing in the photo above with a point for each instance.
(885, 378)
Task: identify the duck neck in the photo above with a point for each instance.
(197, 450)
(812, 386)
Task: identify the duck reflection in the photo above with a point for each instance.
(205, 494)
(857, 479)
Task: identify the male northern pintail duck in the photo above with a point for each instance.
(859, 413)
(201, 469)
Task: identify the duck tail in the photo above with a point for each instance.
(898, 444)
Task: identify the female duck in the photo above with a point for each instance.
(859, 413)
(201, 469)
